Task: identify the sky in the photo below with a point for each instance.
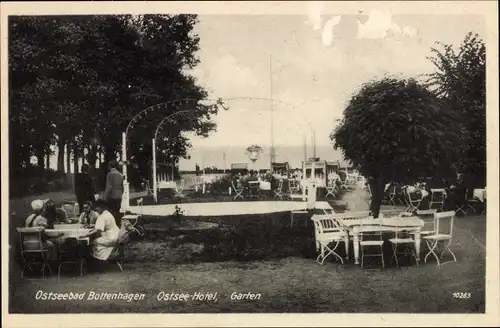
(315, 62)
(311, 65)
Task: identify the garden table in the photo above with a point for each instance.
(411, 224)
(480, 194)
(167, 185)
(73, 231)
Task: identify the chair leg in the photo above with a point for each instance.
(383, 262)
(119, 265)
(431, 251)
(395, 253)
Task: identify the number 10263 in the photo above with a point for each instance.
(461, 295)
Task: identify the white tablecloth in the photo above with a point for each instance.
(167, 185)
(480, 194)
(264, 185)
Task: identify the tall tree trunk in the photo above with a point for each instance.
(61, 144)
(68, 159)
(47, 161)
(40, 156)
(92, 156)
(76, 158)
(377, 185)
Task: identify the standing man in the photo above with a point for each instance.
(197, 168)
(84, 187)
(114, 189)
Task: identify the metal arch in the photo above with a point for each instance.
(219, 101)
(169, 117)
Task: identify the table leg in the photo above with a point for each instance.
(346, 242)
(355, 242)
(417, 245)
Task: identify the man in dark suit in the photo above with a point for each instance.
(114, 189)
(84, 187)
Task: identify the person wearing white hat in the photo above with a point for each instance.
(36, 219)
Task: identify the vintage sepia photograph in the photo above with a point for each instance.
(319, 161)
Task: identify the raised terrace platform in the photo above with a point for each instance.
(226, 208)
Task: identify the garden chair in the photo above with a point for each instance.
(71, 209)
(71, 253)
(461, 206)
(179, 188)
(328, 232)
(392, 195)
(34, 251)
(343, 184)
(331, 188)
(237, 191)
(278, 192)
(149, 190)
(413, 201)
(294, 186)
(438, 197)
(254, 190)
(403, 238)
(472, 201)
(443, 233)
(370, 237)
(117, 255)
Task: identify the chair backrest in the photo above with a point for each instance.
(325, 224)
(280, 185)
(233, 186)
(352, 215)
(370, 229)
(31, 239)
(70, 210)
(438, 194)
(443, 223)
(390, 213)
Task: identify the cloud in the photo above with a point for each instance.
(227, 74)
(328, 35)
(314, 14)
(379, 25)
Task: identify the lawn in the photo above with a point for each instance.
(262, 254)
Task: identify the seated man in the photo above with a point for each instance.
(105, 232)
(88, 216)
(54, 215)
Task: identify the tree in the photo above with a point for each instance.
(460, 81)
(394, 130)
(76, 82)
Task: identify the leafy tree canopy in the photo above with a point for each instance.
(460, 81)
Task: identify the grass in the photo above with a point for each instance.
(261, 254)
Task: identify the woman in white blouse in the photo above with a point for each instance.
(105, 232)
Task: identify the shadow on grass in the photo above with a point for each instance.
(231, 238)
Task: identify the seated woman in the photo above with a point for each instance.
(54, 215)
(88, 216)
(105, 232)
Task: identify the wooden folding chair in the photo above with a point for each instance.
(329, 234)
(238, 191)
(278, 192)
(34, 251)
(443, 234)
(370, 237)
(179, 188)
